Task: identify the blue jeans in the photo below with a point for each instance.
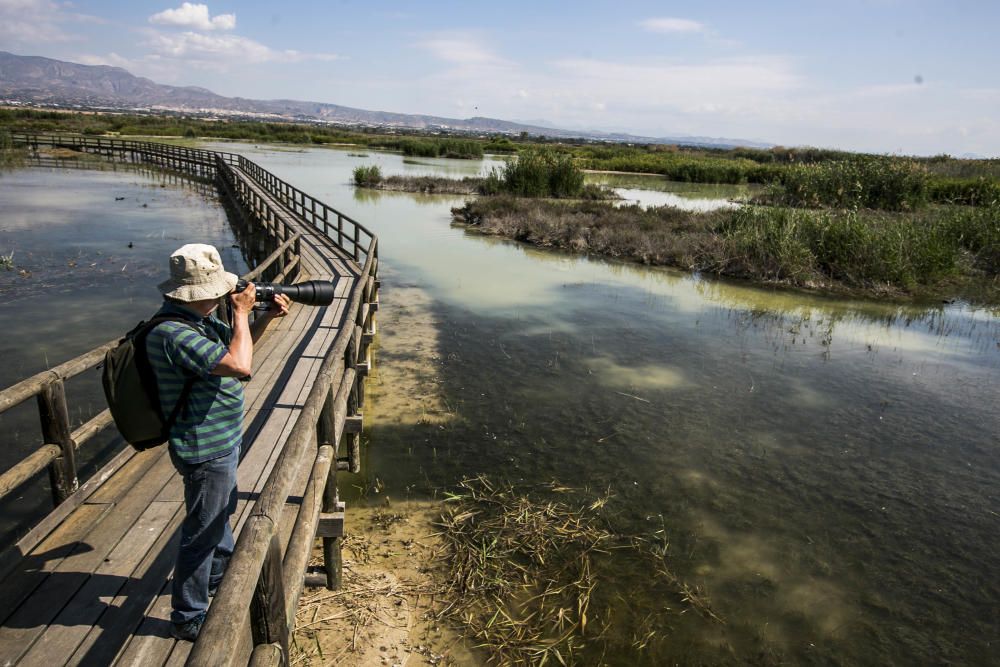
(206, 536)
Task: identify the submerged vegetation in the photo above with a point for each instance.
(527, 575)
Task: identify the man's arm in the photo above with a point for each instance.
(239, 359)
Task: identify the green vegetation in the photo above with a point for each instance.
(968, 191)
(859, 182)
(9, 155)
(453, 148)
(874, 251)
(367, 176)
(429, 185)
(873, 222)
(537, 173)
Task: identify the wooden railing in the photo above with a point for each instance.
(261, 586)
(192, 161)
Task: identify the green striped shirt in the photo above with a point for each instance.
(211, 422)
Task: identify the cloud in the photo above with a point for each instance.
(222, 51)
(111, 60)
(460, 49)
(672, 25)
(193, 16)
(32, 22)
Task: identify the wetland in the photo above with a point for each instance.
(823, 470)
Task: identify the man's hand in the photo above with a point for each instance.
(280, 308)
(243, 301)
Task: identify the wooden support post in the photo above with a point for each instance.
(326, 434)
(55, 430)
(268, 620)
(333, 561)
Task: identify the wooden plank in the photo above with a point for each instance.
(49, 554)
(136, 468)
(24, 626)
(74, 622)
(13, 555)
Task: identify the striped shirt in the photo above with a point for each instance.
(211, 422)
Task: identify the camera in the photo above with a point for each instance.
(309, 293)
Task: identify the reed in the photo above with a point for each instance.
(877, 252)
(859, 182)
(537, 173)
(980, 191)
(367, 176)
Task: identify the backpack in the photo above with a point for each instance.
(131, 391)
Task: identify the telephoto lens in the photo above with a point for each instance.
(308, 293)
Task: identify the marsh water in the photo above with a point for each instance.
(825, 471)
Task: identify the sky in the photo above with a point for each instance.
(887, 76)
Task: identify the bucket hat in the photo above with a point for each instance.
(196, 273)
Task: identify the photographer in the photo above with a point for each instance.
(201, 359)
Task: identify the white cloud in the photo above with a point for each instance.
(112, 60)
(194, 16)
(32, 22)
(672, 25)
(461, 49)
(223, 51)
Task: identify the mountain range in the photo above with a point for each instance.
(44, 81)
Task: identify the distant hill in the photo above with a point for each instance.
(37, 80)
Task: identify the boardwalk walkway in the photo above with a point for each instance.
(95, 588)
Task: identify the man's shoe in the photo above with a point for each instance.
(188, 631)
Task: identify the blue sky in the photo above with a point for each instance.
(878, 75)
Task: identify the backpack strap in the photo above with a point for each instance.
(145, 368)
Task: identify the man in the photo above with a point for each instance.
(206, 437)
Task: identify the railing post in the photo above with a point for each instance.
(357, 243)
(332, 546)
(55, 430)
(268, 621)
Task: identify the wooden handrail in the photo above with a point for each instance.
(229, 609)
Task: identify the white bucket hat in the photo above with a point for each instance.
(196, 273)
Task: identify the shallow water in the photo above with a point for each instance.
(825, 470)
(648, 191)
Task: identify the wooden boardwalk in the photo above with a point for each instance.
(95, 589)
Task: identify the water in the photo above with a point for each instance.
(826, 471)
(77, 283)
(648, 191)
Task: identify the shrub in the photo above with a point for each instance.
(367, 176)
(537, 173)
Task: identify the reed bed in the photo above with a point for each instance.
(928, 252)
(525, 572)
